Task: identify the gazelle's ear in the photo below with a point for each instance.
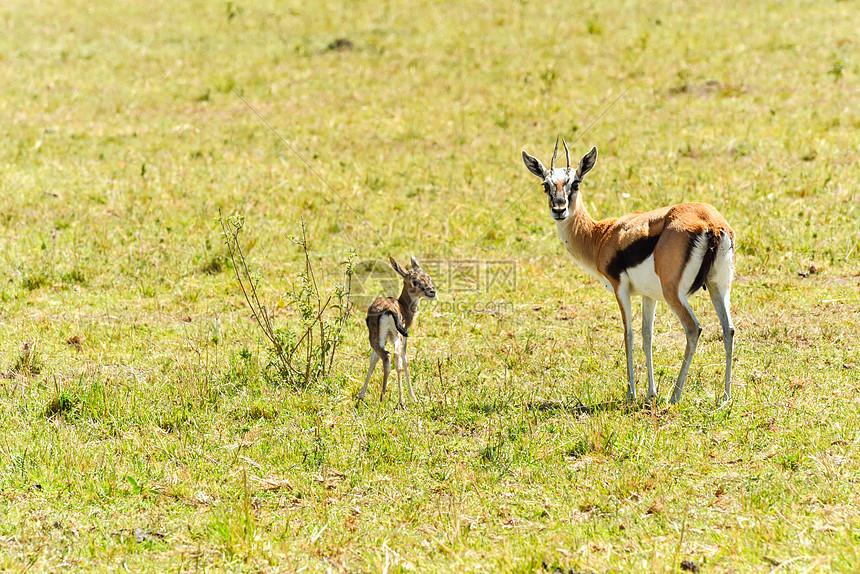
(397, 266)
(586, 163)
(534, 165)
(415, 265)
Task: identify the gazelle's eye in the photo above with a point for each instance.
(414, 283)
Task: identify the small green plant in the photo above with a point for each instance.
(302, 354)
(258, 411)
(74, 277)
(35, 280)
(27, 363)
(233, 10)
(63, 403)
(213, 265)
(236, 526)
(837, 70)
(790, 461)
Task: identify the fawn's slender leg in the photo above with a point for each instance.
(374, 358)
(386, 370)
(398, 364)
(406, 369)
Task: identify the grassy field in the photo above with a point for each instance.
(140, 429)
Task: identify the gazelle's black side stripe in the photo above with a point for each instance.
(631, 256)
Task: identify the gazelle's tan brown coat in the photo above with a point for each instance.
(389, 320)
(663, 255)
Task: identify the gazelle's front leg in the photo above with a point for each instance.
(649, 306)
(623, 296)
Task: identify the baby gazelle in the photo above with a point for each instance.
(389, 319)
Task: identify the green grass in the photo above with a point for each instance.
(140, 430)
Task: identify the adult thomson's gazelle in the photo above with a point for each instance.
(389, 320)
(663, 255)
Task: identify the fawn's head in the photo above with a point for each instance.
(416, 282)
(561, 185)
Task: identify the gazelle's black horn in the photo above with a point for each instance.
(566, 152)
(554, 153)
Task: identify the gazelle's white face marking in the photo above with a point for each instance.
(561, 185)
(561, 189)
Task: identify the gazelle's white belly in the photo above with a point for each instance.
(642, 280)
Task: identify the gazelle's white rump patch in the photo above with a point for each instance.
(388, 332)
(723, 270)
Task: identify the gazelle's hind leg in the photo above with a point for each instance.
(374, 358)
(386, 325)
(406, 369)
(692, 330)
(649, 306)
(721, 305)
(398, 365)
(719, 287)
(386, 370)
(676, 287)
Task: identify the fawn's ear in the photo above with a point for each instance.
(534, 165)
(586, 163)
(397, 266)
(415, 265)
